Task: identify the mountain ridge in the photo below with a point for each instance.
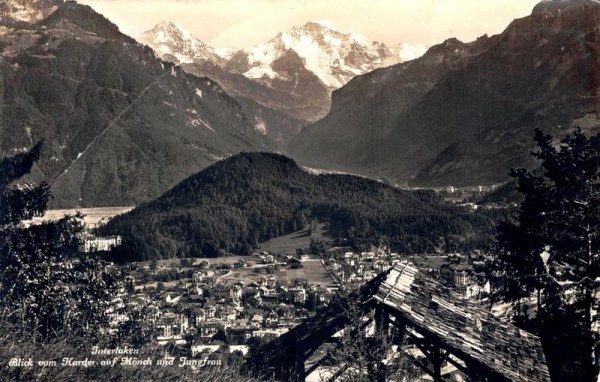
(294, 72)
(121, 126)
(469, 117)
(363, 110)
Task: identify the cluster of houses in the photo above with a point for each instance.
(462, 273)
(354, 268)
(206, 311)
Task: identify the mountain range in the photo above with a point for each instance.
(295, 72)
(120, 125)
(464, 113)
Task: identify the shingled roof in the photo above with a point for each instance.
(465, 329)
(463, 326)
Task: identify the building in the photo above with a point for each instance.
(97, 244)
(202, 264)
(204, 276)
(226, 313)
(270, 333)
(211, 327)
(235, 294)
(168, 325)
(272, 319)
(461, 275)
(297, 295)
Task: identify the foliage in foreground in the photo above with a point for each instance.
(45, 288)
(54, 301)
(12, 346)
(551, 251)
(376, 357)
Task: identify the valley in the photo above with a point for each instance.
(313, 204)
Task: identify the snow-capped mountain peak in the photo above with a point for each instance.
(333, 56)
(168, 30)
(170, 38)
(295, 72)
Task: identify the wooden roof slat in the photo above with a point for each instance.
(463, 325)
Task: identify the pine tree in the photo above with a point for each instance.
(551, 250)
(47, 290)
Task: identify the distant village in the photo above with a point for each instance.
(198, 307)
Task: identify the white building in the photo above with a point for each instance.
(96, 244)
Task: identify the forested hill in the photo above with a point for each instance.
(239, 202)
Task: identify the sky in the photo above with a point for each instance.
(245, 23)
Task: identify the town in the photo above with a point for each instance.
(206, 308)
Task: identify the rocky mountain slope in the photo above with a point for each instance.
(120, 125)
(364, 110)
(294, 72)
(464, 114)
(27, 10)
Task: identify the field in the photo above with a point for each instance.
(230, 260)
(92, 217)
(312, 271)
(287, 245)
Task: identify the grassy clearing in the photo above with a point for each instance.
(312, 271)
(176, 263)
(289, 243)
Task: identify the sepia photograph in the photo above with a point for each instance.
(300, 190)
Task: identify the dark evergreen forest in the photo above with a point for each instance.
(232, 206)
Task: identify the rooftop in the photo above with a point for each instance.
(463, 326)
